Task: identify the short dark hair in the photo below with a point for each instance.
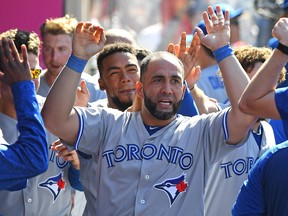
(110, 49)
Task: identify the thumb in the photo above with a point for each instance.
(199, 32)
(83, 86)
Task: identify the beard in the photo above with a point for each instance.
(122, 106)
(151, 106)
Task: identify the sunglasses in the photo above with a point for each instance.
(35, 72)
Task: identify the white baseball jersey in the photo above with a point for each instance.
(212, 85)
(227, 175)
(48, 194)
(139, 174)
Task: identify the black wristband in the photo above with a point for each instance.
(283, 48)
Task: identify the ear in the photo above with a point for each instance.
(101, 84)
(139, 89)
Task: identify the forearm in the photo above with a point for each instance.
(235, 79)
(74, 178)
(261, 90)
(59, 102)
(28, 156)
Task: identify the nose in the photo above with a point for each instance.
(125, 77)
(55, 55)
(166, 88)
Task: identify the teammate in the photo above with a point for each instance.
(266, 192)
(228, 174)
(57, 36)
(128, 146)
(50, 192)
(28, 156)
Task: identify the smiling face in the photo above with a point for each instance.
(162, 87)
(56, 50)
(120, 72)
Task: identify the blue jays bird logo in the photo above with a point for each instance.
(173, 187)
(54, 184)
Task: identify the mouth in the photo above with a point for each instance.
(127, 92)
(165, 103)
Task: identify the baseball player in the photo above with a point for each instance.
(151, 162)
(16, 169)
(50, 192)
(57, 36)
(265, 192)
(227, 175)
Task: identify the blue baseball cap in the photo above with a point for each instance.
(234, 13)
(284, 5)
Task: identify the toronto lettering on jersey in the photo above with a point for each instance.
(130, 152)
(237, 167)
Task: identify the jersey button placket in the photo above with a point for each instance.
(142, 201)
(29, 200)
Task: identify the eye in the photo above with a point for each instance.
(175, 81)
(46, 49)
(132, 70)
(157, 80)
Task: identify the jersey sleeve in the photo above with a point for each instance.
(88, 142)
(28, 156)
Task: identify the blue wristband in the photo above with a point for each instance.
(223, 52)
(76, 63)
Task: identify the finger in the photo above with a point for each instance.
(83, 86)
(183, 43)
(98, 33)
(79, 27)
(208, 24)
(177, 49)
(213, 16)
(57, 142)
(2, 56)
(25, 58)
(195, 42)
(6, 52)
(220, 15)
(170, 48)
(227, 17)
(14, 51)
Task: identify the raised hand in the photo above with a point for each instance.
(218, 28)
(188, 55)
(88, 40)
(280, 31)
(13, 68)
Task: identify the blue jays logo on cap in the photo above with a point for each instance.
(54, 184)
(173, 187)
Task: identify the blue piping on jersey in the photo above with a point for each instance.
(225, 127)
(81, 128)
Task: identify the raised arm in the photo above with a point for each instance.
(259, 96)
(234, 76)
(58, 113)
(28, 156)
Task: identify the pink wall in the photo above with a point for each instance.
(28, 14)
